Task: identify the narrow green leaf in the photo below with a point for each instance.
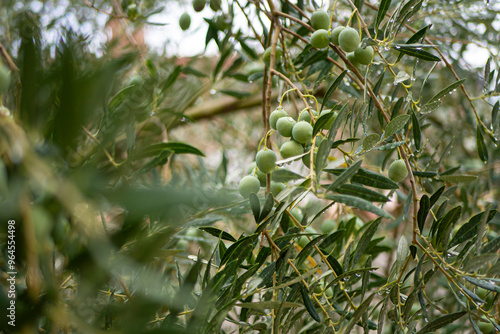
(332, 88)
(268, 305)
(415, 52)
(425, 206)
(332, 261)
(308, 303)
(304, 253)
(445, 91)
(339, 142)
(390, 146)
(359, 203)
(321, 122)
(458, 178)
(331, 239)
(483, 284)
(345, 176)
(417, 135)
(395, 125)
(441, 322)
(268, 207)
(481, 145)
(192, 71)
(494, 114)
(436, 196)
(285, 175)
(172, 77)
(365, 240)
(382, 10)
(487, 74)
(447, 223)
(424, 174)
(370, 141)
(492, 247)
(368, 178)
(362, 192)
(235, 93)
(469, 229)
(362, 309)
(216, 233)
(174, 146)
(255, 205)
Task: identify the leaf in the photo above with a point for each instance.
(487, 74)
(458, 178)
(365, 240)
(332, 88)
(481, 146)
(492, 247)
(396, 125)
(192, 71)
(368, 178)
(390, 146)
(255, 205)
(483, 284)
(424, 173)
(304, 253)
(447, 223)
(268, 305)
(362, 309)
(359, 203)
(494, 114)
(402, 253)
(402, 76)
(362, 192)
(417, 135)
(308, 303)
(415, 52)
(235, 93)
(441, 322)
(469, 229)
(345, 176)
(268, 207)
(434, 198)
(174, 146)
(382, 10)
(445, 91)
(216, 233)
(332, 261)
(430, 107)
(370, 141)
(172, 77)
(321, 122)
(331, 239)
(285, 175)
(425, 206)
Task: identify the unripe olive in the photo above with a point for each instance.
(398, 171)
(329, 293)
(276, 115)
(320, 39)
(328, 226)
(181, 244)
(132, 11)
(318, 288)
(285, 126)
(302, 132)
(303, 241)
(320, 20)
(266, 161)
(215, 5)
(334, 37)
(185, 21)
(352, 58)
(249, 185)
(277, 187)
(306, 159)
(297, 214)
(290, 149)
(349, 39)
(328, 124)
(4, 78)
(199, 5)
(267, 55)
(261, 176)
(305, 116)
(364, 56)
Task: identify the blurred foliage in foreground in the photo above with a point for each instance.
(121, 227)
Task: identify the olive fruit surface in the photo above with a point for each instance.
(320, 39)
(364, 56)
(248, 185)
(328, 124)
(334, 37)
(328, 226)
(349, 39)
(290, 149)
(284, 125)
(185, 21)
(261, 176)
(302, 132)
(266, 161)
(352, 58)
(267, 55)
(275, 116)
(305, 116)
(320, 20)
(398, 171)
(277, 187)
(198, 5)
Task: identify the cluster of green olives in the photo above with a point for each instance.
(198, 6)
(345, 37)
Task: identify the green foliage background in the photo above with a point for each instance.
(120, 168)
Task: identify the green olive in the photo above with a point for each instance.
(198, 5)
(185, 21)
(248, 185)
(398, 171)
(277, 187)
(334, 37)
(320, 20)
(302, 132)
(349, 39)
(266, 161)
(320, 39)
(364, 56)
(290, 149)
(276, 115)
(267, 55)
(328, 226)
(285, 126)
(305, 116)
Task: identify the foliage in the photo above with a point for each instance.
(121, 227)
